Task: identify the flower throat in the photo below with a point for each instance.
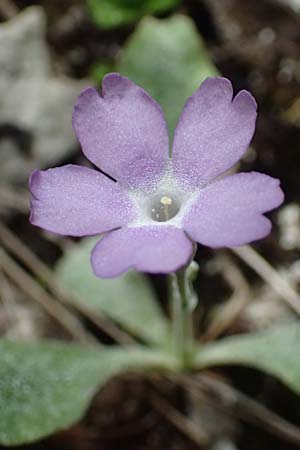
(163, 208)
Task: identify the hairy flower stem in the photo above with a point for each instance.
(182, 301)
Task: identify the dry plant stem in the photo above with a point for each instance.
(6, 293)
(41, 271)
(232, 308)
(46, 301)
(7, 297)
(181, 422)
(276, 281)
(13, 200)
(223, 396)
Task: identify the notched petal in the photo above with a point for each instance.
(123, 126)
(213, 132)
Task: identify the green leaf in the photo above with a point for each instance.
(114, 13)
(168, 59)
(47, 386)
(99, 70)
(128, 300)
(275, 351)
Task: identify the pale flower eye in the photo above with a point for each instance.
(163, 208)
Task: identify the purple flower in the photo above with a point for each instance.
(159, 205)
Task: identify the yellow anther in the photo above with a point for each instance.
(163, 208)
(166, 201)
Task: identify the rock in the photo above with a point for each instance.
(33, 99)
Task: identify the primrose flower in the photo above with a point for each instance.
(153, 208)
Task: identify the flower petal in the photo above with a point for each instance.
(123, 133)
(77, 201)
(154, 249)
(213, 132)
(228, 212)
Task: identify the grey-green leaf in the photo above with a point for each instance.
(114, 13)
(47, 386)
(275, 351)
(128, 300)
(168, 59)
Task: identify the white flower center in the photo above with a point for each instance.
(163, 208)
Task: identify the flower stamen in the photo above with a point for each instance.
(163, 208)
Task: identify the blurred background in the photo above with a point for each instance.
(49, 51)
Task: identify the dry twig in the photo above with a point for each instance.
(223, 396)
(7, 298)
(182, 423)
(29, 286)
(275, 280)
(41, 271)
(232, 308)
(13, 200)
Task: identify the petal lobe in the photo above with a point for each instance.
(77, 201)
(228, 213)
(153, 249)
(213, 132)
(122, 132)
